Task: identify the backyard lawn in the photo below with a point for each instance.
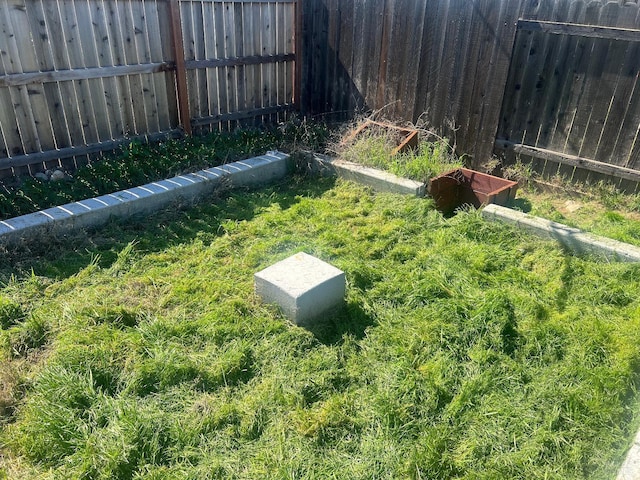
(466, 349)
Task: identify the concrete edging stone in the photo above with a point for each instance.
(147, 198)
(377, 179)
(572, 238)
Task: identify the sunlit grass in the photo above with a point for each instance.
(465, 349)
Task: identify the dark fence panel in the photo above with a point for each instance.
(448, 62)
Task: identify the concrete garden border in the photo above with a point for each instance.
(147, 198)
(377, 179)
(572, 238)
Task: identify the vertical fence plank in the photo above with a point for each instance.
(295, 42)
(271, 86)
(256, 33)
(124, 98)
(75, 55)
(140, 26)
(201, 101)
(19, 97)
(153, 43)
(280, 67)
(98, 21)
(344, 62)
(218, 11)
(88, 49)
(229, 52)
(130, 52)
(165, 44)
(61, 62)
(239, 9)
(189, 36)
(176, 26)
(210, 52)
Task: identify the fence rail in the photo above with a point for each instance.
(83, 76)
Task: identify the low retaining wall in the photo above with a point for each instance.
(147, 198)
(572, 238)
(377, 179)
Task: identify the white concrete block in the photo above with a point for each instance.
(303, 286)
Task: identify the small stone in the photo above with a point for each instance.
(42, 177)
(57, 176)
(572, 206)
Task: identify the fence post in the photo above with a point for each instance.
(297, 85)
(181, 71)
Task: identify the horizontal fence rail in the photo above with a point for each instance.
(84, 76)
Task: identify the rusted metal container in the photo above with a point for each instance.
(405, 138)
(462, 186)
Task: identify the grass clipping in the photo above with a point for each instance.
(466, 350)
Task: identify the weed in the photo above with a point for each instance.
(11, 313)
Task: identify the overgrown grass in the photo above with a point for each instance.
(465, 350)
(374, 147)
(137, 164)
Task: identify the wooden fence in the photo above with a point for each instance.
(573, 98)
(572, 85)
(84, 76)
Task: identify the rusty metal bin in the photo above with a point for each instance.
(462, 186)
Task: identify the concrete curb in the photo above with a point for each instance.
(630, 469)
(377, 179)
(146, 198)
(572, 238)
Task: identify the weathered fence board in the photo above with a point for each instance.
(80, 76)
(557, 75)
(571, 102)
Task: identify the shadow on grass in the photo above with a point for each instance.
(350, 320)
(59, 257)
(521, 204)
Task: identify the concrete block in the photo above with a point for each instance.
(572, 238)
(303, 286)
(377, 179)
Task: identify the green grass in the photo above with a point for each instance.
(374, 148)
(598, 208)
(619, 221)
(466, 349)
(137, 164)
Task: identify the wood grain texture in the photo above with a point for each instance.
(75, 74)
(560, 75)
